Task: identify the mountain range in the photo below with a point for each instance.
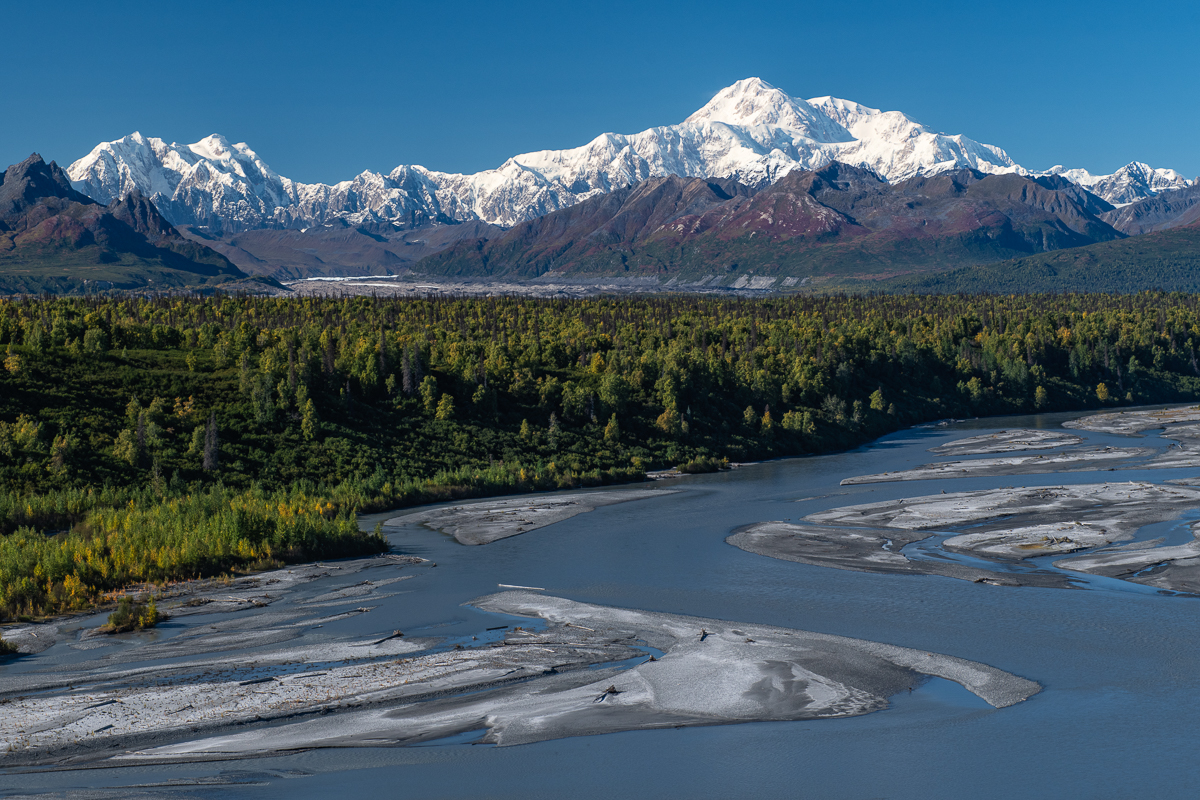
(750, 132)
(755, 189)
(1162, 260)
(53, 238)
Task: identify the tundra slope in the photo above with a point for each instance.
(54, 238)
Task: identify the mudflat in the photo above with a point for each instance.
(1007, 442)
(1136, 421)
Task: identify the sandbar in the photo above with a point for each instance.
(1133, 422)
(687, 671)
(487, 521)
(1071, 460)
(1007, 442)
(996, 529)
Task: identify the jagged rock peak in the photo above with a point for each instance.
(25, 183)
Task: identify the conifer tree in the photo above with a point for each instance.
(308, 420)
(750, 417)
(612, 431)
(211, 445)
(407, 384)
(383, 358)
(429, 394)
(445, 407)
(141, 433)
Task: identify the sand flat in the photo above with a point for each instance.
(1000, 526)
(1133, 422)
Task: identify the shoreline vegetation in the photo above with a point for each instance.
(157, 439)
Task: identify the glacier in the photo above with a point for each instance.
(751, 132)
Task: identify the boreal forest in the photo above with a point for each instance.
(145, 440)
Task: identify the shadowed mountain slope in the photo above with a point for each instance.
(54, 239)
(1159, 213)
(337, 248)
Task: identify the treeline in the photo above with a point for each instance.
(369, 403)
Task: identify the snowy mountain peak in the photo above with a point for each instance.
(1132, 182)
(215, 146)
(753, 102)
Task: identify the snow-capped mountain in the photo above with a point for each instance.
(751, 132)
(1132, 182)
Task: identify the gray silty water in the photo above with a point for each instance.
(1119, 667)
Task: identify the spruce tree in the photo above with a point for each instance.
(141, 433)
(612, 431)
(407, 384)
(211, 444)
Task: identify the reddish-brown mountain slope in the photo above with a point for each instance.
(52, 238)
(839, 220)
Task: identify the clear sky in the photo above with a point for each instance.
(323, 91)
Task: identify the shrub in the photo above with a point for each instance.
(133, 615)
(703, 464)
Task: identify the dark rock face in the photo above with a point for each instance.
(23, 185)
(1175, 209)
(46, 227)
(836, 219)
(1089, 202)
(136, 211)
(338, 248)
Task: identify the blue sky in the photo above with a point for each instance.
(324, 90)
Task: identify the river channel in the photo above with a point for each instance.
(1119, 662)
